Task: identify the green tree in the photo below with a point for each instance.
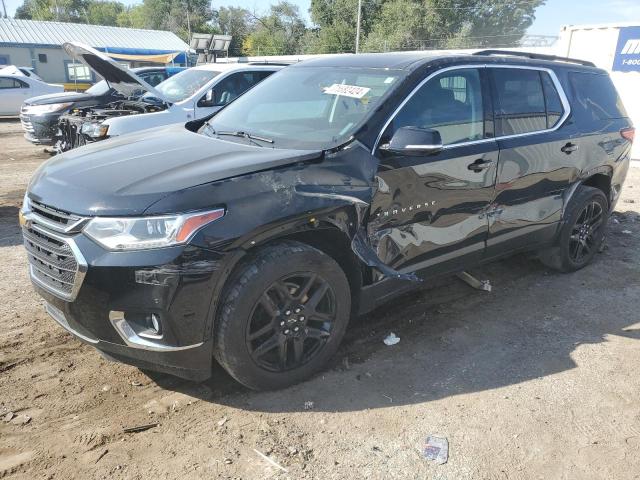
(336, 24)
(433, 24)
(132, 17)
(277, 33)
(237, 22)
(56, 10)
(104, 12)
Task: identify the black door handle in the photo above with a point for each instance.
(569, 148)
(480, 165)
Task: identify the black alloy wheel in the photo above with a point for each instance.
(291, 322)
(282, 315)
(584, 233)
(581, 233)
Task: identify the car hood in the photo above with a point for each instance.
(64, 97)
(119, 77)
(127, 174)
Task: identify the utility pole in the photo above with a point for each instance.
(4, 7)
(357, 26)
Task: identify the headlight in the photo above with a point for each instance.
(148, 232)
(95, 130)
(42, 109)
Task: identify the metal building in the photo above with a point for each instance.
(30, 43)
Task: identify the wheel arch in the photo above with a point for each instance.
(601, 181)
(332, 235)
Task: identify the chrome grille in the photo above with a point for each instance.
(54, 219)
(55, 262)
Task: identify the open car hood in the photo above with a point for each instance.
(119, 77)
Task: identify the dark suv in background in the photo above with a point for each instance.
(39, 115)
(324, 191)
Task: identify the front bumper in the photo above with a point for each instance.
(121, 290)
(40, 129)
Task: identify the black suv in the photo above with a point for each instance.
(322, 192)
(39, 115)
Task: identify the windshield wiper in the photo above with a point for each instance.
(244, 135)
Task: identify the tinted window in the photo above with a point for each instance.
(450, 103)
(595, 98)
(555, 110)
(519, 100)
(236, 84)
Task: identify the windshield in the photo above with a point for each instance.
(307, 108)
(184, 84)
(99, 88)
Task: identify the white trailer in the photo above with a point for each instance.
(614, 47)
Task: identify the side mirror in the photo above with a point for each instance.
(209, 99)
(414, 141)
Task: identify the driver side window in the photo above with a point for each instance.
(450, 103)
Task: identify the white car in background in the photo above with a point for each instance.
(16, 87)
(192, 94)
(21, 71)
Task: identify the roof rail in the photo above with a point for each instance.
(536, 56)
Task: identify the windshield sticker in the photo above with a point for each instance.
(352, 91)
(389, 79)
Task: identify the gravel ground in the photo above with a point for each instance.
(537, 379)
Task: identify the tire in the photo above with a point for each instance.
(582, 232)
(283, 316)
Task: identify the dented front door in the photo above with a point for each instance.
(429, 212)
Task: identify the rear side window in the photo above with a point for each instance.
(520, 105)
(595, 98)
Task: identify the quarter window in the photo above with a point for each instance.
(555, 109)
(450, 103)
(596, 98)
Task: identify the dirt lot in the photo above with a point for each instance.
(538, 379)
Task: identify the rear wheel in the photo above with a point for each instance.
(582, 232)
(283, 316)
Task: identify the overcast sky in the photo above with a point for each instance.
(549, 19)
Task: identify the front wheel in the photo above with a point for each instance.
(582, 232)
(282, 317)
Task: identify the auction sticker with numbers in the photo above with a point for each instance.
(347, 90)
